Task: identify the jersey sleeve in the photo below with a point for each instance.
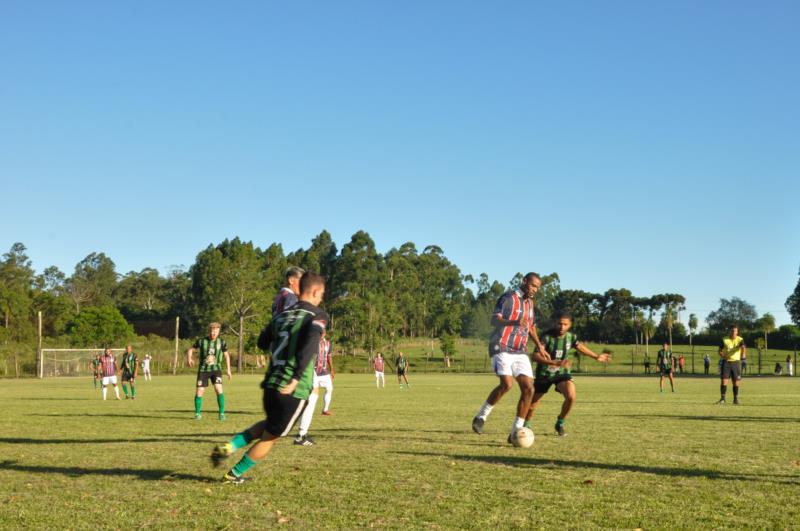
(503, 306)
(224, 346)
(265, 337)
(196, 344)
(308, 348)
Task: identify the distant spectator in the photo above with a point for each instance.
(681, 363)
(744, 363)
(647, 365)
(778, 368)
(706, 363)
(789, 368)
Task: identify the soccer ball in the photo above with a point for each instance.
(523, 438)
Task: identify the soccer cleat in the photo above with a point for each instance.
(736, 401)
(560, 429)
(327, 413)
(222, 416)
(511, 438)
(235, 480)
(304, 440)
(720, 402)
(197, 416)
(477, 425)
(220, 453)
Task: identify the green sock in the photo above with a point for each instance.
(198, 404)
(125, 390)
(560, 421)
(526, 424)
(240, 440)
(133, 390)
(221, 403)
(244, 464)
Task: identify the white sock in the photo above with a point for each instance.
(483, 412)
(116, 391)
(105, 391)
(326, 402)
(308, 414)
(518, 422)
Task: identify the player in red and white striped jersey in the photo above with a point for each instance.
(514, 321)
(108, 370)
(378, 364)
(323, 377)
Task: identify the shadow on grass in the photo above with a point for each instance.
(121, 440)
(114, 415)
(520, 461)
(709, 417)
(150, 474)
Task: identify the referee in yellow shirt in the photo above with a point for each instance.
(731, 351)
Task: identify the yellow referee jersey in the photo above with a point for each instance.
(732, 348)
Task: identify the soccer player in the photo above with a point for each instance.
(293, 338)
(378, 365)
(514, 322)
(730, 354)
(129, 371)
(287, 296)
(108, 370)
(401, 362)
(666, 364)
(212, 348)
(553, 368)
(323, 377)
(96, 369)
(146, 367)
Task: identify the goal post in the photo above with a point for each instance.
(69, 361)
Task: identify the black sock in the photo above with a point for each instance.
(735, 392)
(722, 390)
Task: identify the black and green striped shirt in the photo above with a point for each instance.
(293, 339)
(211, 353)
(558, 348)
(129, 362)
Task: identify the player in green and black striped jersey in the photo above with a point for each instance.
(553, 368)
(293, 339)
(130, 370)
(96, 369)
(212, 348)
(666, 366)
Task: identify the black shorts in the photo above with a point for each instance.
(401, 372)
(282, 412)
(665, 372)
(542, 385)
(127, 376)
(204, 377)
(732, 370)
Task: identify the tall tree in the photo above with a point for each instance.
(93, 281)
(733, 311)
(793, 304)
(16, 280)
(766, 324)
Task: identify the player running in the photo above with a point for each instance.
(293, 337)
(108, 370)
(553, 368)
(730, 352)
(401, 362)
(129, 372)
(323, 377)
(378, 364)
(212, 348)
(514, 322)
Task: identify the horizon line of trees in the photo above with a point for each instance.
(373, 299)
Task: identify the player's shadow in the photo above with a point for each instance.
(148, 474)
(112, 415)
(520, 461)
(120, 440)
(710, 417)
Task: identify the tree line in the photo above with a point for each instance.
(374, 299)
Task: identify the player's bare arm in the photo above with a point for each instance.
(189, 360)
(602, 358)
(289, 387)
(228, 363)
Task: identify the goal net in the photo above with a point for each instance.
(71, 361)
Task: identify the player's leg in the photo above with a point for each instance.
(104, 386)
(525, 382)
(736, 376)
(302, 438)
(502, 368)
(672, 381)
(133, 387)
(220, 395)
(116, 388)
(539, 390)
(566, 388)
(405, 377)
(202, 383)
(661, 383)
(723, 388)
(327, 384)
(377, 379)
(124, 385)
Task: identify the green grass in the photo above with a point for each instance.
(405, 459)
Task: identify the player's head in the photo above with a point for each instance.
(380, 355)
(563, 323)
(734, 330)
(213, 330)
(107, 351)
(293, 276)
(128, 348)
(312, 288)
(530, 284)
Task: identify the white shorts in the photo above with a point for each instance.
(110, 380)
(378, 374)
(506, 364)
(326, 382)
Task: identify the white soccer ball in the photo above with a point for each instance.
(523, 438)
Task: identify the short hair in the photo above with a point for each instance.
(531, 276)
(294, 272)
(563, 315)
(214, 325)
(734, 326)
(310, 280)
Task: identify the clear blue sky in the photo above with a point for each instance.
(647, 145)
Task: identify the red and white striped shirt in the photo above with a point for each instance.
(108, 365)
(511, 306)
(378, 362)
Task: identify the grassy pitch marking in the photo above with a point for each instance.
(634, 458)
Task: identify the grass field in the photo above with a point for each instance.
(395, 458)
